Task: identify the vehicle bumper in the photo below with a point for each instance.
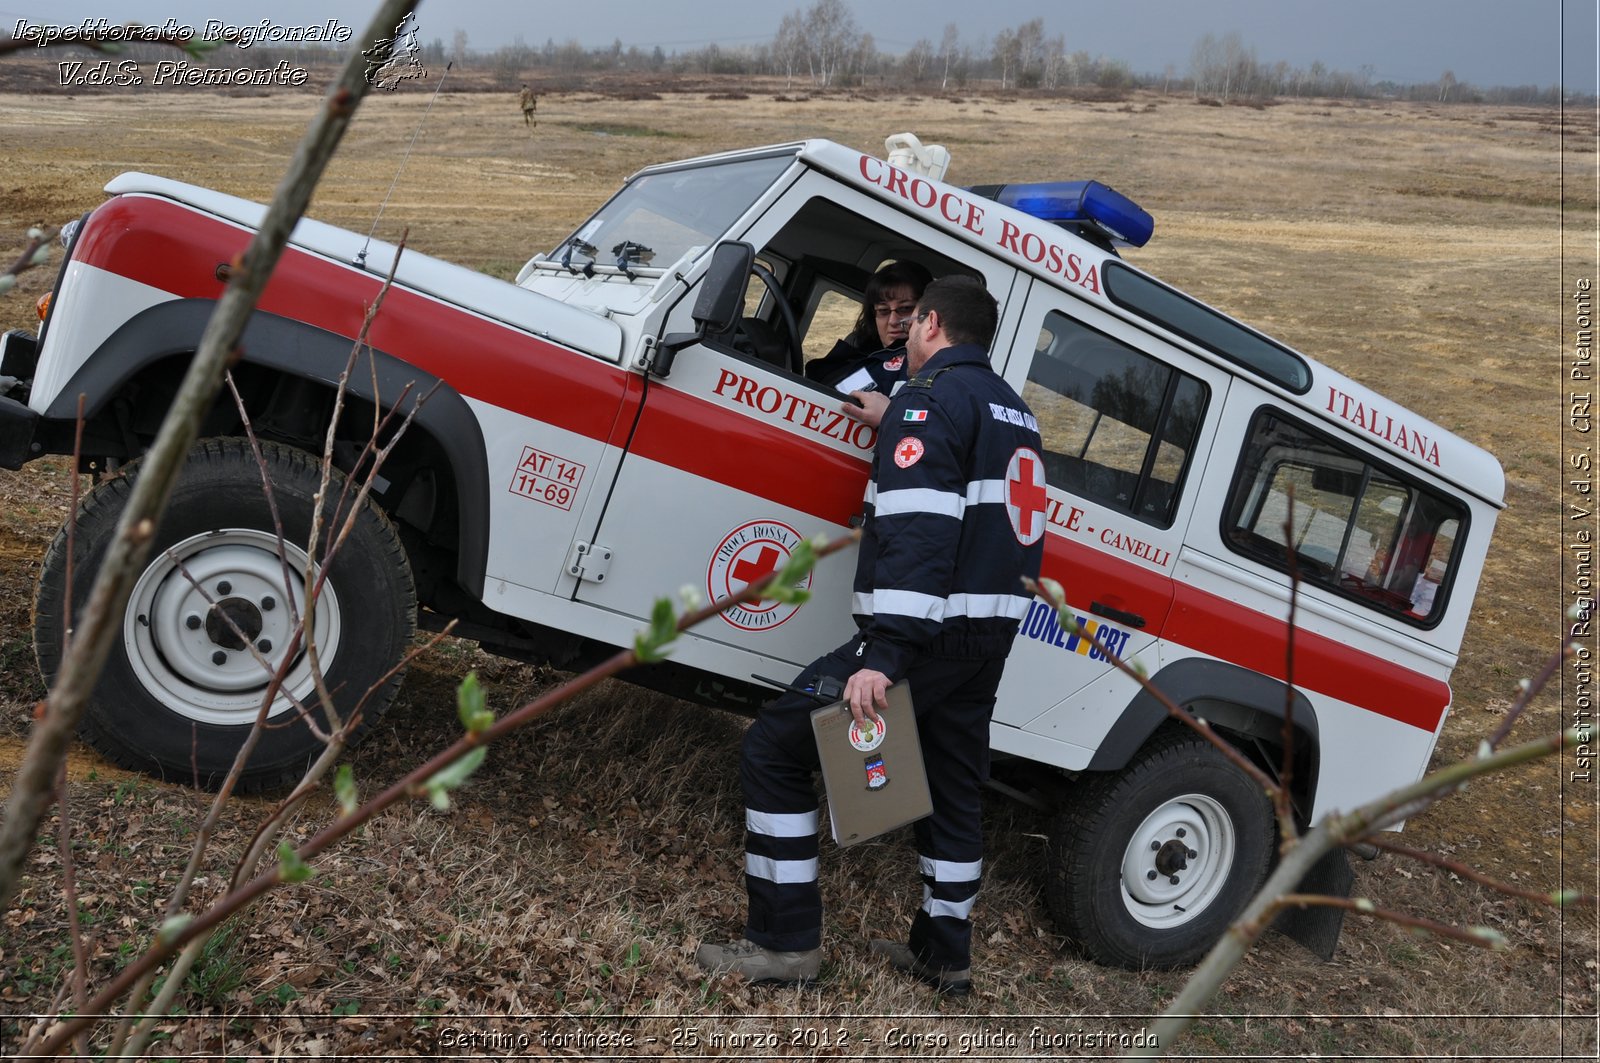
(19, 355)
(17, 427)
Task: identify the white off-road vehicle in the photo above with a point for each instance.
(631, 415)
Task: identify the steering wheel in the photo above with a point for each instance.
(796, 356)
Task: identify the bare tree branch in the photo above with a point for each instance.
(1525, 692)
(1456, 867)
(134, 1032)
(177, 934)
(1471, 935)
(29, 258)
(1333, 831)
(1051, 592)
(126, 554)
(69, 888)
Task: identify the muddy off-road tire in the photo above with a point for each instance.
(180, 690)
(1149, 865)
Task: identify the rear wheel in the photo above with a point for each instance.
(215, 611)
(1150, 865)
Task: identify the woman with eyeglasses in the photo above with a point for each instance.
(872, 356)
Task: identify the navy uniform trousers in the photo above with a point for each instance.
(954, 700)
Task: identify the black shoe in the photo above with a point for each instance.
(950, 983)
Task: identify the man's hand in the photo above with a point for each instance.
(873, 405)
(867, 692)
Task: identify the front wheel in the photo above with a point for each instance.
(1150, 865)
(216, 610)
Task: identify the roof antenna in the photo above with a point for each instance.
(360, 260)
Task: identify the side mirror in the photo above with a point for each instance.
(720, 303)
(718, 307)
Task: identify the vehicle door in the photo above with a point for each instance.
(1125, 420)
(736, 457)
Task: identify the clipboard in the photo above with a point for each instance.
(875, 778)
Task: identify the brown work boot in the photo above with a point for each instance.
(760, 966)
(947, 982)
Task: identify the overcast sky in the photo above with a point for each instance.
(1485, 42)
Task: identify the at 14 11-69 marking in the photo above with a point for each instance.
(547, 478)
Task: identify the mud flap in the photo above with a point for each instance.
(1317, 927)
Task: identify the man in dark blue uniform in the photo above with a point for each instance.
(955, 519)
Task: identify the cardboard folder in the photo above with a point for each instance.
(874, 775)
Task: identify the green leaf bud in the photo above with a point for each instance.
(472, 706)
(172, 926)
(451, 776)
(344, 788)
(290, 867)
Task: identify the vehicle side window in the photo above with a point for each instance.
(834, 317)
(1353, 526)
(824, 256)
(1118, 425)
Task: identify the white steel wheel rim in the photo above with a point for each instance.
(1193, 830)
(200, 670)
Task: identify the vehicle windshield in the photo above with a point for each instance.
(654, 219)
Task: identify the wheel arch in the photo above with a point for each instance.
(300, 351)
(1229, 697)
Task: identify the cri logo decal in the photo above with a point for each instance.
(747, 554)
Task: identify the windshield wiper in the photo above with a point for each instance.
(575, 243)
(628, 251)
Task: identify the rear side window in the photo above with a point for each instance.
(1353, 526)
(1118, 426)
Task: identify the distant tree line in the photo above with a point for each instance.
(822, 47)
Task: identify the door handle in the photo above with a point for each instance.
(1121, 616)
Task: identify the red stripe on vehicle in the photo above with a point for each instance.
(1223, 628)
(133, 237)
(1092, 575)
(1219, 627)
(750, 455)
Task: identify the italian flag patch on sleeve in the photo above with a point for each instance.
(916, 415)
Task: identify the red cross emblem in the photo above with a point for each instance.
(746, 555)
(1025, 497)
(908, 452)
(748, 571)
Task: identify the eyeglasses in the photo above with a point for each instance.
(924, 315)
(898, 310)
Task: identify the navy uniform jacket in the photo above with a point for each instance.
(955, 518)
(846, 368)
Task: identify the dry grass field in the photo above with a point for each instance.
(1416, 248)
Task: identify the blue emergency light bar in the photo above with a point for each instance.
(1079, 203)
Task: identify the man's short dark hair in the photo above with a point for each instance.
(967, 312)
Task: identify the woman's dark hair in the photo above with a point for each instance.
(902, 274)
